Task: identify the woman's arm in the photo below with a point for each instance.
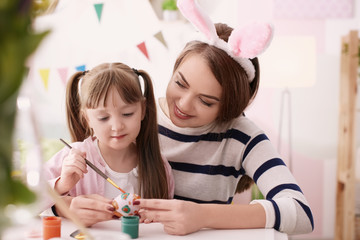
(184, 217)
(227, 216)
(285, 205)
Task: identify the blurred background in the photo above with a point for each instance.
(297, 104)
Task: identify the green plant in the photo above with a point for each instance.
(255, 192)
(17, 43)
(169, 5)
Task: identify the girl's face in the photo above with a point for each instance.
(193, 94)
(118, 124)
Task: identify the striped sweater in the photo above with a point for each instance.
(208, 162)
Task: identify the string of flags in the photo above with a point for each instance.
(141, 46)
(63, 71)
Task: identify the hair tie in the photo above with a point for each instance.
(243, 44)
(141, 81)
(136, 71)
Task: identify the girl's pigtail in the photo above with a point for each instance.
(77, 126)
(152, 170)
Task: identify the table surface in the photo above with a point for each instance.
(112, 230)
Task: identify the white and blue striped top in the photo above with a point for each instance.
(208, 162)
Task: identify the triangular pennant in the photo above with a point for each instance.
(80, 68)
(159, 36)
(63, 72)
(143, 49)
(44, 73)
(98, 9)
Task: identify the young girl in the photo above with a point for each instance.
(111, 115)
(213, 148)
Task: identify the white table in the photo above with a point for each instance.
(152, 231)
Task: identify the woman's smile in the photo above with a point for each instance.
(178, 113)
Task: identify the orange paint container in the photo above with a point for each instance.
(51, 227)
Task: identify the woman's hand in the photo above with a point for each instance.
(183, 217)
(72, 170)
(90, 209)
(178, 217)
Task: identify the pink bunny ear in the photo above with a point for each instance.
(192, 12)
(250, 41)
(243, 44)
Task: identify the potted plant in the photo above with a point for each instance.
(17, 43)
(170, 10)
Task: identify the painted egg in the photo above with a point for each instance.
(124, 206)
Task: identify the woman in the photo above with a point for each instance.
(213, 148)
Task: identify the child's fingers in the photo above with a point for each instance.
(77, 172)
(75, 161)
(93, 202)
(75, 157)
(69, 170)
(98, 197)
(77, 152)
(89, 216)
(78, 165)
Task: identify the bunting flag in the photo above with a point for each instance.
(159, 36)
(63, 72)
(143, 49)
(98, 8)
(44, 73)
(80, 68)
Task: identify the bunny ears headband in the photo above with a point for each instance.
(243, 43)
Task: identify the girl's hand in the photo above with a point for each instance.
(72, 170)
(178, 217)
(90, 209)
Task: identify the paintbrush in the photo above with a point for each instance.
(96, 169)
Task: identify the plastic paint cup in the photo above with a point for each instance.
(51, 227)
(130, 225)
